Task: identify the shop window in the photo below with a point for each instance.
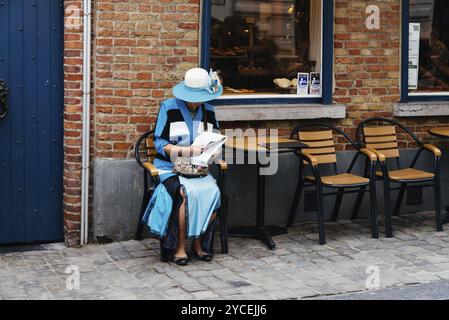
(426, 50)
(270, 49)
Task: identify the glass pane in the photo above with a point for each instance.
(259, 47)
(428, 46)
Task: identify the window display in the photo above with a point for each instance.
(429, 46)
(260, 47)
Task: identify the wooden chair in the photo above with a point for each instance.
(322, 152)
(382, 140)
(145, 152)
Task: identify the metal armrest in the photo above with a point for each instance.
(432, 149)
(310, 159)
(151, 169)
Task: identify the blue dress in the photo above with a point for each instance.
(176, 126)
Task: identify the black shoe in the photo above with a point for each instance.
(202, 257)
(169, 256)
(183, 261)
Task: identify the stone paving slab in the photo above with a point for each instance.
(298, 269)
(428, 291)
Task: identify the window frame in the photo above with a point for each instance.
(326, 68)
(405, 94)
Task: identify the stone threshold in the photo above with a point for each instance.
(421, 109)
(279, 112)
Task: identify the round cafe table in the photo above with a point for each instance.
(252, 144)
(443, 133)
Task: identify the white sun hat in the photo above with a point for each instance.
(198, 86)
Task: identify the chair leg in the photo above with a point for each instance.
(295, 203)
(358, 203)
(387, 205)
(361, 194)
(212, 243)
(437, 188)
(397, 207)
(223, 216)
(337, 206)
(373, 206)
(320, 211)
(223, 226)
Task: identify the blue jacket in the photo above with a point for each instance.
(175, 126)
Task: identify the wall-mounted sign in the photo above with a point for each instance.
(315, 83)
(303, 84)
(413, 55)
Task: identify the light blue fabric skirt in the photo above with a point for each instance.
(202, 200)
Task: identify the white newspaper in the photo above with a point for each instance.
(210, 143)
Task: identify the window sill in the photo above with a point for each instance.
(279, 112)
(421, 109)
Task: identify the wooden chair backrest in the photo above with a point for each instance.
(321, 145)
(150, 148)
(382, 139)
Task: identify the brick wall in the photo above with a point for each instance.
(367, 62)
(143, 48)
(73, 61)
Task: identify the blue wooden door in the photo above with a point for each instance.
(31, 135)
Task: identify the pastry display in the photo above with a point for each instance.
(238, 91)
(249, 69)
(284, 83)
(233, 52)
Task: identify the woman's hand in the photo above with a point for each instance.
(176, 151)
(195, 151)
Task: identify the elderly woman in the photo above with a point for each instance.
(183, 208)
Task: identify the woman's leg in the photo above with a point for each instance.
(197, 243)
(181, 246)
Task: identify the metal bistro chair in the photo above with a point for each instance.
(382, 140)
(145, 152)
(321, 151)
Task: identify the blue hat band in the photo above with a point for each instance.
(195, 89)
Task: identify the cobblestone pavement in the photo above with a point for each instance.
(298, 269)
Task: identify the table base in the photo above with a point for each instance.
(264, 234)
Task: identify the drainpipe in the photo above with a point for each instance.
(87, 8)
